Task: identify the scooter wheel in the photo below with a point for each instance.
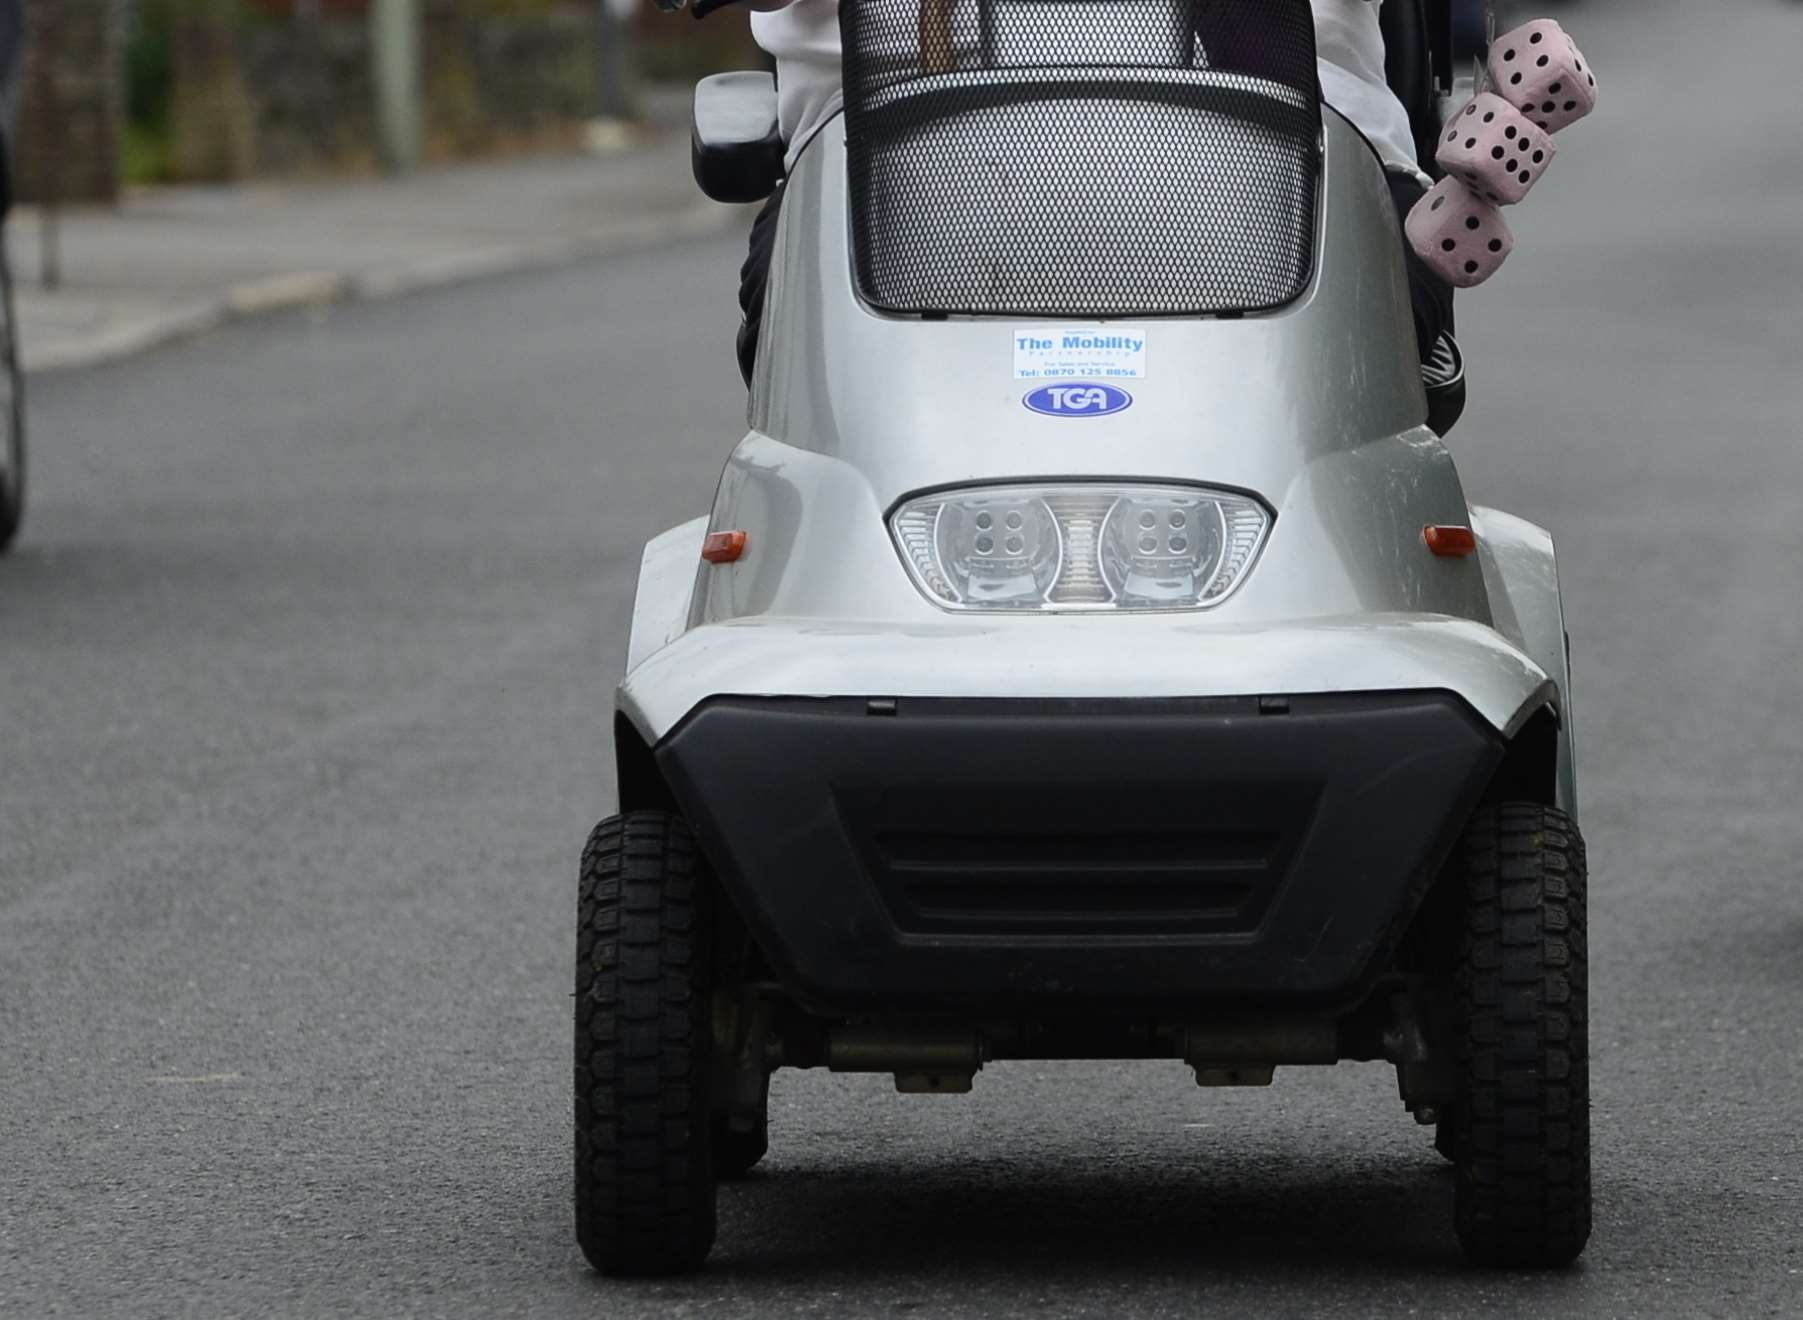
(1519, 1134)
(644, 1049)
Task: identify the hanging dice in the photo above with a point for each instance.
(1494, 150)
(1463, 238)
(1539, 70)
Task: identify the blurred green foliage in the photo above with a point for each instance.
(149, 76)
(147, 65)
(148, 155)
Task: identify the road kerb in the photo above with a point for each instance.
(299, 289)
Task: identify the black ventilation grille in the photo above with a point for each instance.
(1120, 859)
(1081, 157)
(1097, 882)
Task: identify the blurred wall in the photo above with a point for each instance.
(212, 110)
(71, 117)
(224, 89)
(490, 80)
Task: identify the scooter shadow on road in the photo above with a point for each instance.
(1228, 1218)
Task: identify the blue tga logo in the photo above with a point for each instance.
(1078, 400)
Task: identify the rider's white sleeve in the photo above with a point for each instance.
(1350, 46)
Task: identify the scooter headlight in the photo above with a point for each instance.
(1080, 547)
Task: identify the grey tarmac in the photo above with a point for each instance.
(305, 666)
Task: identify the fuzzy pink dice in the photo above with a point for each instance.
(1494, 150)
(1539, 70)
(1463, 238)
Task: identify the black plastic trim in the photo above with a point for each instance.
(743, 172)
(1328, 820)
(930, 105)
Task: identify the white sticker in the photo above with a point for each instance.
(1079, 352)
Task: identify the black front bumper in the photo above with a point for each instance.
(948, 855)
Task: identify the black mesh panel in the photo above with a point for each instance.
(1081, 157)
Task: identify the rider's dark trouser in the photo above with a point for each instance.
(753, 276)
(1430, 295)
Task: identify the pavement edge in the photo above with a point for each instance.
(301, 289)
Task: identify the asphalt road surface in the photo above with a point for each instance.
(305, 666)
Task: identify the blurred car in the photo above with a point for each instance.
(12, 380)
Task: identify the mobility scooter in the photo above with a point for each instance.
(1090, 651)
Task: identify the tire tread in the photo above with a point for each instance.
(1522, 1140)
(644, 1180)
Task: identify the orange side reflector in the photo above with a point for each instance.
(723, 547)
(1450, 542)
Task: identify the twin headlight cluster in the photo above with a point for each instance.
(1079, 547)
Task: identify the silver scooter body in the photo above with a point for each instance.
(1317, 410)
(1314, 409)
(957, 733)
